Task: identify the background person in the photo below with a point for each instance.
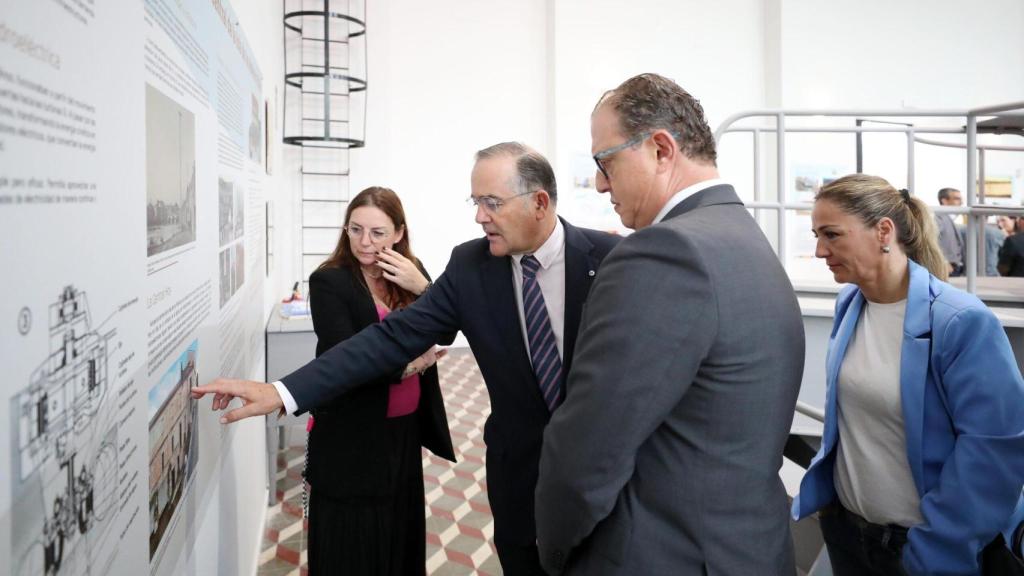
(920, 466)
(1011, 254)
(950, 241)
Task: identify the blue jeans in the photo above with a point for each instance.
(857, 547)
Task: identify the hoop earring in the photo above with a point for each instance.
(886, 249)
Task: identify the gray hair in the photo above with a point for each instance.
(945, 192)
(533, 172)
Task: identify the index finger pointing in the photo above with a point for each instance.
(221, 386)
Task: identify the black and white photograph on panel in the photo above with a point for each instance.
(232, 270)
(170, 173)
(173, 444)
(255, 131)
(231, 204)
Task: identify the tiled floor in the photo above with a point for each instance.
(459, 524)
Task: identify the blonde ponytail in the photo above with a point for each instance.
(922, 242)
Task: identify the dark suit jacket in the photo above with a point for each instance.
(475, 294)
(1011, 255)
(348, 446)
(664, 458)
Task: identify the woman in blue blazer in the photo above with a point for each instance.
(921, 466)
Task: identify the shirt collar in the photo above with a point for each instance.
(548, 251)
(684, 194)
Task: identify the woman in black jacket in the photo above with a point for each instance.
(364, 467)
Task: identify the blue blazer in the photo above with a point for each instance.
(963, 412)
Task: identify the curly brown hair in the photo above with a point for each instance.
(650, 102)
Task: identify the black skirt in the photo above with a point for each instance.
(375, 537)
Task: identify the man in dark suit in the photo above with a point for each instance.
(664, 458)
(517, 295)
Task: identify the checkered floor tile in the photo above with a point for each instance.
(459, 524)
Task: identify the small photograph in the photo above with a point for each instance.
(226, 193)
(583, 171)
(238, 220)
(173, 444)
(809, 178)
(239, 262)
(226, 271)
(170, 173)
(232, 271)
(807, 184)
(231, 204)
(255, 131)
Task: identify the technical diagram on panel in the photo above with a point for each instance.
(65, 472)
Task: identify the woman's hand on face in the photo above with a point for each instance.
(401, 271)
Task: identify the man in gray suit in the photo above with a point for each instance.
(950, 241)
(664, 458)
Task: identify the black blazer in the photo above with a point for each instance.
(348, 446)
(475, 294)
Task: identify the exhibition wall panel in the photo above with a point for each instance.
(132, 140)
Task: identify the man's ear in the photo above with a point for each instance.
(542, 201)
(666, 147)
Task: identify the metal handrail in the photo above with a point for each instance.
(974, 209)
(810, 411)
(931, 142)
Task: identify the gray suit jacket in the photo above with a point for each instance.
(664, 458)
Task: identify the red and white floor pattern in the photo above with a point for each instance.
(459, 524)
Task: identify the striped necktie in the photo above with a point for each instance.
(543, 350)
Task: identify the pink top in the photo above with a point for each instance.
(403, 397)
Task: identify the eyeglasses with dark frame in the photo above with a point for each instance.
(598, 156)
(627, 144)
(492, 204)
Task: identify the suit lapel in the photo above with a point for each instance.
(579, 274)
(914, 364)
(844, 333)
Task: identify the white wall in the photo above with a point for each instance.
(713, 50)
(915, 53)
(445, 80)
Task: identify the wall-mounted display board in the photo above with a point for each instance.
(132, 252)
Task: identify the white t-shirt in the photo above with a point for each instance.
(872, 473)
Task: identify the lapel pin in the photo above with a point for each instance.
(591, 273)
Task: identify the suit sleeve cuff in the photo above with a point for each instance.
(289, 402)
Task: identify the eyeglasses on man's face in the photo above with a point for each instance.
(377, 235)
(604, 154)
(492, 204)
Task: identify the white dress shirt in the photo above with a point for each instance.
(684, 194)
(550, 277)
